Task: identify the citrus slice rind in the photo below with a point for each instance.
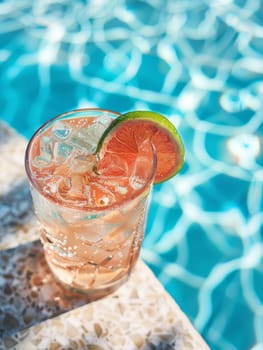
(126, 133)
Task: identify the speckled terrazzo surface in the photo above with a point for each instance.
(139, 315)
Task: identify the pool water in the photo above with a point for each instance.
(201, 64)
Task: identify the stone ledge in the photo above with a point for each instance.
(139, 315)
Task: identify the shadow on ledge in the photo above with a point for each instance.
(161, 345)
(16, 208)
(29, 294)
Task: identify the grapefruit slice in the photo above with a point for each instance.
(126, 133)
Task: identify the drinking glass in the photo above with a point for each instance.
(91, 231)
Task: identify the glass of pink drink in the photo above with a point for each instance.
(92, 211)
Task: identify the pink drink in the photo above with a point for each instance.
(92, 211)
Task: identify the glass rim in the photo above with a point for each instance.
(135, 194)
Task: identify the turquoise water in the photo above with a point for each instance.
(201, 64)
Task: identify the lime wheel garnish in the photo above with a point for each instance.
(126, 133)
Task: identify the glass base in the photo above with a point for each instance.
(92, 292)
(95, 293)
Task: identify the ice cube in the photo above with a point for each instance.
(83, 164)
(143, 165)
(102, 196)
(77, 186)
(41, 161)
(61, 151)
(64, 190)
(86, 138)
(63, 186)
(118, 184)
(95, 131)
(51, 185)
(139, 172)
(88, 196)
(122, 190)
(105, 119)
(50, 188)
(136, 182)
(113, 165)
(82, 140)
(45, 156)
(71, 190)
(61, 131)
